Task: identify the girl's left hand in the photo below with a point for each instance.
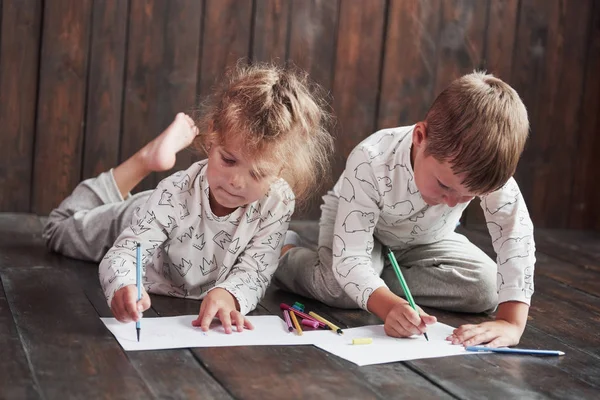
(220, 303)
(498, 333)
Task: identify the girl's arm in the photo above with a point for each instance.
(150, 226)
(249, 279)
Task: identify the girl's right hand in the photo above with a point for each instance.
(403, 321)
(125, 306)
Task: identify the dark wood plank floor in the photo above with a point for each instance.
(54, 346)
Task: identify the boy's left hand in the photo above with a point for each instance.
(220, 303)
(498, 333)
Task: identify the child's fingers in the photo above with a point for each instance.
(394, 329)
(499, 342)
(238, 320)
(130, 305)
(144, 302)
(248, 324)
(479, 338)
(469, 334)
(412, 316)
(209, 315)
(225, 320)
(428, 319)
(118, 308)
(458, 331)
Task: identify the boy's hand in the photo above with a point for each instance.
(124, 304)
(220, 303)
(403, 321)
(498, 333)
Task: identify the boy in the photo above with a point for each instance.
(406, 188)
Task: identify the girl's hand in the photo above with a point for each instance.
(124, 304)
(498, 333)
(403, 321)
(220, 303)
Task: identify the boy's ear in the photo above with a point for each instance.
(420, 134)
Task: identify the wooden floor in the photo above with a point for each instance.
(53, 345)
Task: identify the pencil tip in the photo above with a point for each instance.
(426, 337)
(138, 334)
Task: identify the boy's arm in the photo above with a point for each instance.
(511, 230)
(150, 226)
(513, 312)
(357, 215)
(249, 279)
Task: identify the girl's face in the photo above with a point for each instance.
(234, 179)
(436, 181)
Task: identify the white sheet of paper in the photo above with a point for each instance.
(178, 332)
(385, 349)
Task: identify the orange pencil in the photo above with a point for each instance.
(295, 321)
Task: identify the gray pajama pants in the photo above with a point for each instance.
(87, 223)
(452, 274)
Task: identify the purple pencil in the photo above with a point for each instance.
(288, 321)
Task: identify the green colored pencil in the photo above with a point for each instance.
(409, 297)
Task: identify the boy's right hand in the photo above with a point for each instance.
(403, 321)
(125, 306)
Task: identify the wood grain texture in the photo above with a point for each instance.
(270, 31)
(313, 39)
(225, 40)
(61, 102)
(312, 45)
(461, 40)
(174, 374)
(410, 62)
(20, 25)
(161, 75)
(17, 380)
(49, 308)
(105, 87)
(251, 371)
(80, 91)
(500, 38)
(585, 196)
(548, 72)
(357, 74)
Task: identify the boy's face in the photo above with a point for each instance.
(234, 179)
(435, 180)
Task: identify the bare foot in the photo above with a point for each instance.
(159, 154)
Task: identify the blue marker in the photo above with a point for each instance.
(517, 351)
(138, 282)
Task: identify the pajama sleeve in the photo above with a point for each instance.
(511, 230)
(358, 213)
(151, 225)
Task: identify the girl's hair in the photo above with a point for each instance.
(279, 116)
(479, 124)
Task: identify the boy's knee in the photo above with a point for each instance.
(483, 296)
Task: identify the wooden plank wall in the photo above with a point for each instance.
(85, 83)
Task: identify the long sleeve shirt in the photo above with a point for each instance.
(378, 197)
(188, 250)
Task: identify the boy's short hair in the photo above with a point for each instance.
(479, 125)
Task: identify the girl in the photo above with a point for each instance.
(215, 230)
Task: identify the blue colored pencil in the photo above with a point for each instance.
(138, 282)
(516, 351)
